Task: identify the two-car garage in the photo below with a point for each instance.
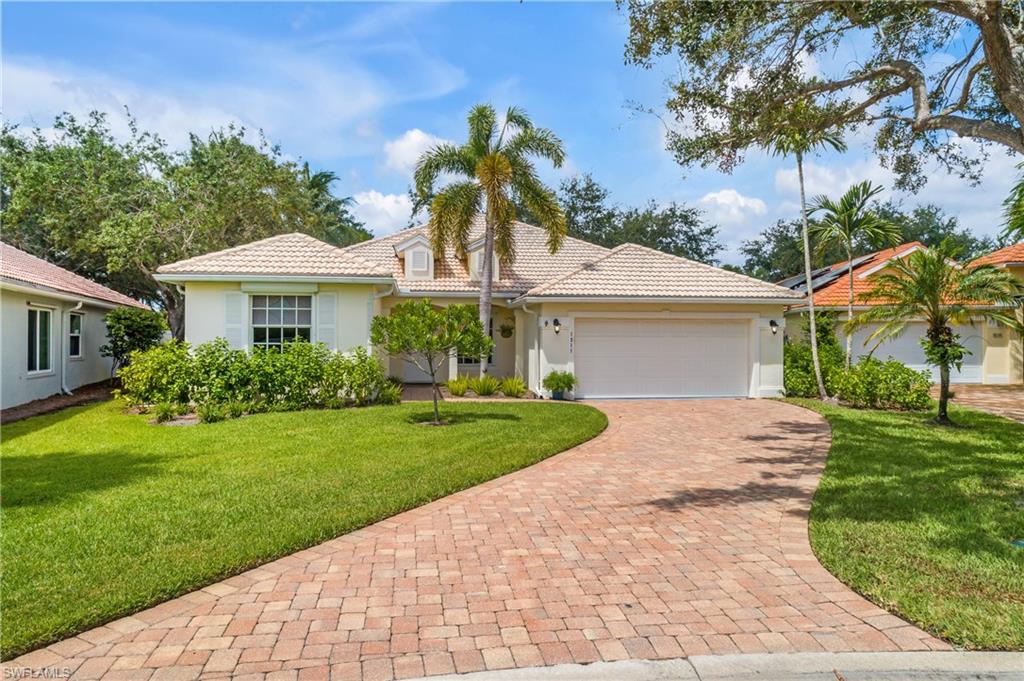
(658, 357)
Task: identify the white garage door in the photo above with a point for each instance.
(907, 349)
(661, 358)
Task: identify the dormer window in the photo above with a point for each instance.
(476, 265)
(418, 258)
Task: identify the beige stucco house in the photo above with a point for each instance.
(51, 328)
(995, 349)
(628, 321)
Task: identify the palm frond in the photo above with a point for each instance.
(442, 158)
(451, 215)
(539, 142)
(1014, 210)
(483, 127)
(543, 203)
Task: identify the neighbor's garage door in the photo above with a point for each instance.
(907, 349)
(661, 358)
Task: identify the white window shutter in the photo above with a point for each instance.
(326, 322)
(234, 320)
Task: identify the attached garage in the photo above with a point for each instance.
(907, 349)
(662, 357)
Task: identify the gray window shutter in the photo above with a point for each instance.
(326, 320)
(234, 320)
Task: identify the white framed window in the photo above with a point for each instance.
(40, 327)
(419, 263)
(75, 335)
(275, 320)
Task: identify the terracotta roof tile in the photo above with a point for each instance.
(836, 292)
(634, 271)
(533, 265)
(1010, 254)
(293, 254)
(17, 265)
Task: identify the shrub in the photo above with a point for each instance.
(131, 329)
(458, 386)
(160, 374)
(211, 412)
(484, 385)
(235, 409)
(165, 411)
(874, 384)
(513, 386)
(559, 381)
(798, 369)
(219, 374)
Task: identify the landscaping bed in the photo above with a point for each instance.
(105, 514)
(919, 518)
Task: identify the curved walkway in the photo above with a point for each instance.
(681, 530)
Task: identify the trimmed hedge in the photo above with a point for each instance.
(221, 382)
(874, 384)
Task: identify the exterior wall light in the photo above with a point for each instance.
(774, 326)
(557, 325)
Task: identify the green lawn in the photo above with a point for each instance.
(919, 518)
(105, 514)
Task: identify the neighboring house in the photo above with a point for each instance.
(1010, 361)
(51, 328)
(988, 342)
(629, 322)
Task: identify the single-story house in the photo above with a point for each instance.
(991, 358)
(628, 321)
(52, 329)
(1011, 259)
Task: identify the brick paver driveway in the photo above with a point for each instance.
(1004, 400)
(681, 530)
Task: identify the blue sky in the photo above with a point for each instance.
(361, 89)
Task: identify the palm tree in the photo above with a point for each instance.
(929, 285)
(800, 135)
(494, 175)
(1014, 214)
(848, 220)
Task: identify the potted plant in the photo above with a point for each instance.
(558, 383)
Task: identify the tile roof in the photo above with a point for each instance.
(635, 271)
(534, 263)
(836, 292)
(17, 265)
(294, 254)
(1010, 254)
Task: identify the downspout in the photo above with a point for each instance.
(65, 348)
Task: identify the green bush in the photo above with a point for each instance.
(560, 381)
(211, 412)
(513, 386)
(131, 329)
(165, 411)
(873, 384)
(484, 385)
(458, 386)
(798, 369)
(160, 374)
(298, 376)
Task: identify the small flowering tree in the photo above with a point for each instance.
(426, 336)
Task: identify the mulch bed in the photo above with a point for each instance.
(94, 392)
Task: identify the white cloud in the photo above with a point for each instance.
(402, 153)
(728, 207)
(382, 213)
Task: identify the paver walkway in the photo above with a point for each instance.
(681, 530)
(1004, 400)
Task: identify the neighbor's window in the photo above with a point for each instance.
(38, 340)
(75, 335)
(281, 319)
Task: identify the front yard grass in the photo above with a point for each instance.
(105, 514)
(919, 518)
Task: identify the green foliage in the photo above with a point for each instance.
(798, 369)
(426, 336)
(1014, 210)
(484, 385)
(211, 412)
(298, 376)
(458, 386)
(160, 374)
(675, 228)
(742, 68)
(559, 381)
(513, 386)
(130, 329)
(874, 384)
(164, 411)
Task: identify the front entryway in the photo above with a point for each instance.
(662, 358)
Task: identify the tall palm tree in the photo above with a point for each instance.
(799, 135)
(848, 220)
(492, 173)
(929, 285)
(1014, 214)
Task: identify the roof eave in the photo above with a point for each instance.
(656, 299)
(185, 277)
(20, 286)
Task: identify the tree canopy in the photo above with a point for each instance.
(925, 73)
(114, 210)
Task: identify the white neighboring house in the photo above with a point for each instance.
(51, 328)
(628, 321)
